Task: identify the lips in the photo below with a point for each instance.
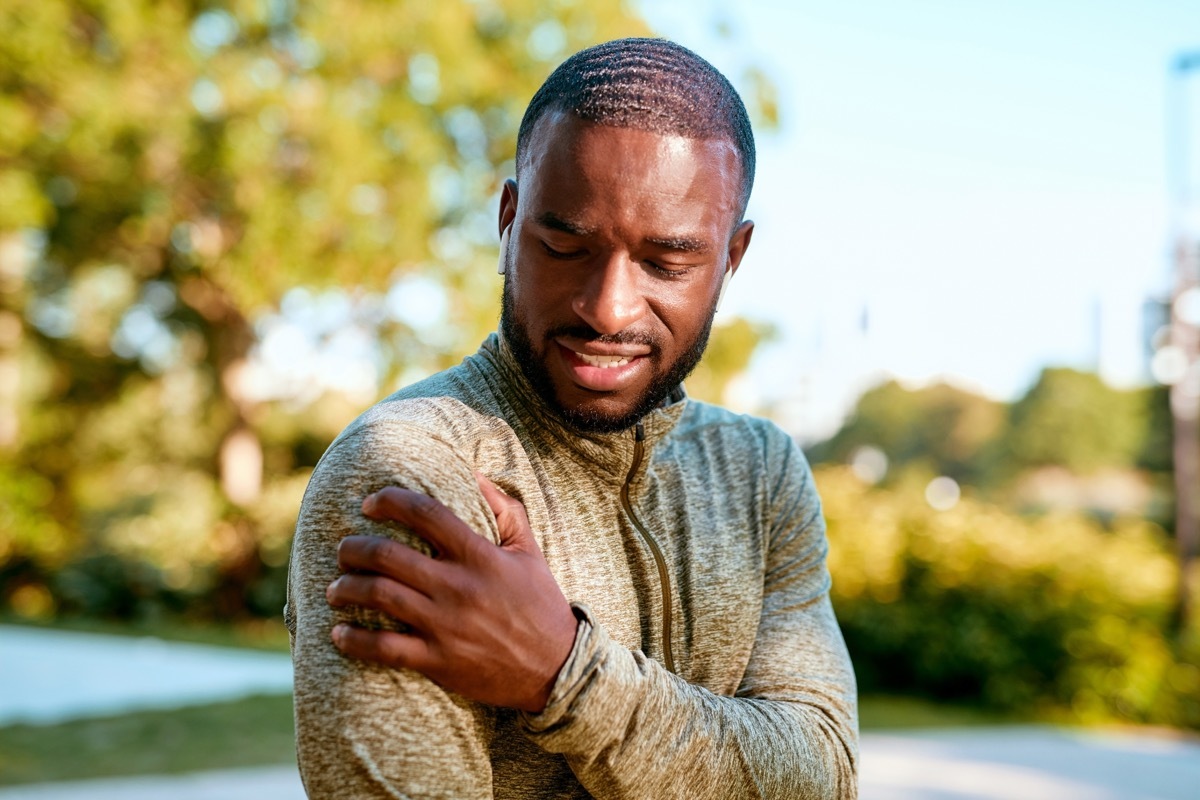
(602, 372)
(603, 362)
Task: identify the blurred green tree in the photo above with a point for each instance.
(171, 171)
(942, 428)
(730, 349)
(1068, 419)
(1073, 419)
(1057, 615)
(1155, 453)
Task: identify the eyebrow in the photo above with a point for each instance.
(548, 219)
(682, 244)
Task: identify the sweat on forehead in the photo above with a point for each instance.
(649, 84)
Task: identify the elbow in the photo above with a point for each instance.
(841, 763)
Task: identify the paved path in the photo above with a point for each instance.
(266, 783)
(1020, 763)
(1028, 763)
(48, 676)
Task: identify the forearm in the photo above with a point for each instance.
(629, 728)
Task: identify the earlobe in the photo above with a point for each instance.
(503, 261)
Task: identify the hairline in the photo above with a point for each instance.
(523, 148)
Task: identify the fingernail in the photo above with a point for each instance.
(329, 589)
(368, 504)
(339, 633)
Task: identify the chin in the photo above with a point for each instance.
(588, 418)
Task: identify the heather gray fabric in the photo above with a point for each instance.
(763, 700)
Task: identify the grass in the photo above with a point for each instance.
(249, 732)
(266, 634)
(258, 731)
(881, 712)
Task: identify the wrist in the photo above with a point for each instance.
(563, 644)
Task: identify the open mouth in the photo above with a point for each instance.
(603, 372)
(603, 362)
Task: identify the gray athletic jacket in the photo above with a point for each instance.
(708, 665)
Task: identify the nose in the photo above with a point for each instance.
(612, 298)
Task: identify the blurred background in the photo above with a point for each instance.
(973, 298)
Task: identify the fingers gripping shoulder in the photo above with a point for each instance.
(371, 458)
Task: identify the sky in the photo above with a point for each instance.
(963, 191)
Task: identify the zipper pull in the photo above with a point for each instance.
(639, 433)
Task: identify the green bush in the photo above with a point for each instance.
(1054, 615)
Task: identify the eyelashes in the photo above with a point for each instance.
(669, 271)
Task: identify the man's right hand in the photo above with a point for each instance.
(487, 622)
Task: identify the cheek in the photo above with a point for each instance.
(683, 313)
(536, 308)
(544, 296)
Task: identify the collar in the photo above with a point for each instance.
(608, 453)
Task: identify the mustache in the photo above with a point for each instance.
(589, 334)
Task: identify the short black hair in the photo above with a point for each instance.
(650, 84)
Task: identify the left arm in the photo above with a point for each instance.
(629, 728)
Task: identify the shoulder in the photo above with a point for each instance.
(748, 436)
(749, 451)
(426, 438)
(453, 408)
(439, 422)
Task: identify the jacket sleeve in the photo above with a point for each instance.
(629, 728)
(364, 730)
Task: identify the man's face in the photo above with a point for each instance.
(619, 242)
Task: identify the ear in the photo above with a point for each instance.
(508, 205)
(738, 244)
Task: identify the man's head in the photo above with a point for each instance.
(634, 163)
(649, 84)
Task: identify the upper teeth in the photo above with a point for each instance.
(603, 362)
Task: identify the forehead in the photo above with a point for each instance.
(586, 169)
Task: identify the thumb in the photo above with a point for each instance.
(511, 519)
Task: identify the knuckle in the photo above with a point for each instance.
(425, 507)
(469, 594)
(378, 594)
(518, 514)
(375, 549)
(391, 649)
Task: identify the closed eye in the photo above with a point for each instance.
(563, 254)
(670, 270)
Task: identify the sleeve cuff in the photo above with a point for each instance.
(572, 675)
(594, 695)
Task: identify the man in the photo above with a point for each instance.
(574, 581)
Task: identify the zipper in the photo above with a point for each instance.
(664, 577)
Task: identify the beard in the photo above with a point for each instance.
(532, 362)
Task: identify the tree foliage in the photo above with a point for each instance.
(946, 429)
(1058, 615)
(730, 348)
(226, 227)
(169, 171)
(1067, 418)
(1075, 420)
